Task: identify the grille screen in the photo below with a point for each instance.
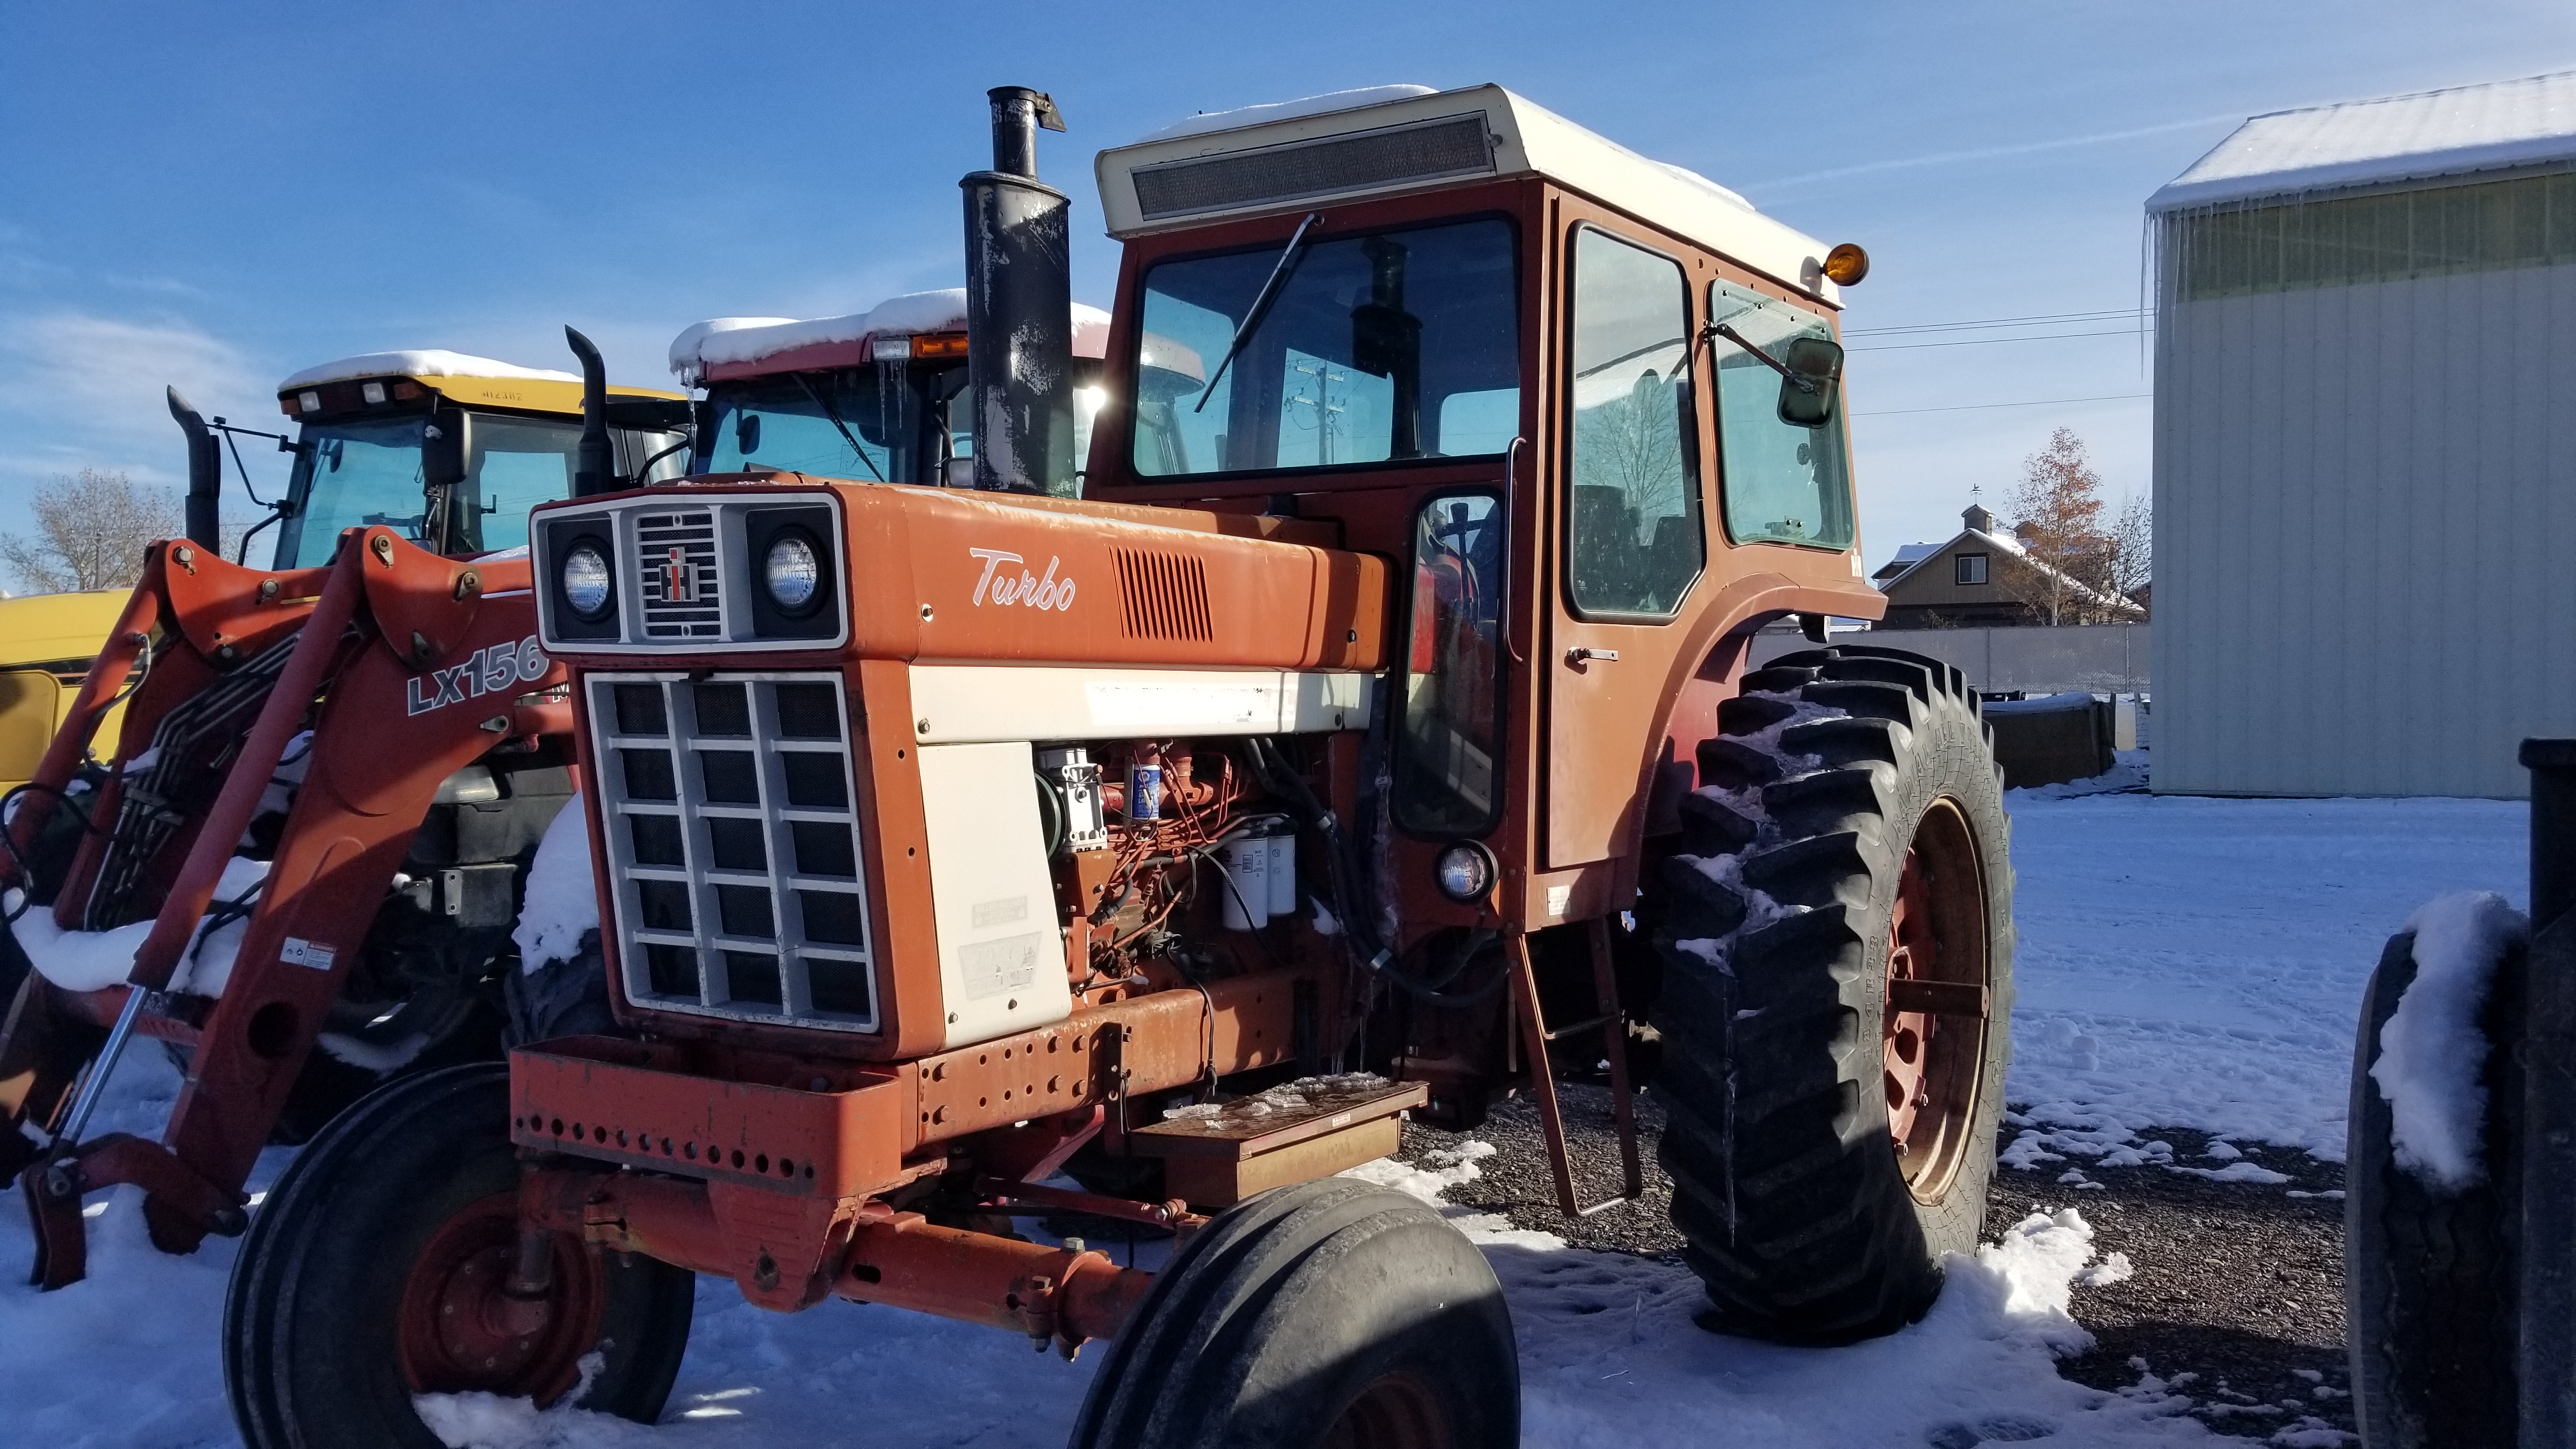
(733, 832)
(681, 587)
(1425, 151)
(1162, 596)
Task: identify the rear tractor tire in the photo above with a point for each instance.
(1329, 1315)
(374, 1272)
(1828, 1144)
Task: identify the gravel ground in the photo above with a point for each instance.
(2237, 1300)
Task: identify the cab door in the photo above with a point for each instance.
(1630, 544)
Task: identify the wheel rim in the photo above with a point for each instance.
(1396, 1411)
(1930, 1065)
(460, 1332)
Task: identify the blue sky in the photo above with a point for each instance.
(217, 196)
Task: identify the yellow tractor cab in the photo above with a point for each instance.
(46, 643)
(451, 449)
(866, 396)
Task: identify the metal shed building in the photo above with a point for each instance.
(2365, 447)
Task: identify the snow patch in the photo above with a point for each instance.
(2432, 1052)
(428, 362)
(2391, 138)
(1325, 104)
(96, 960)
(562, 900)
(750, 339)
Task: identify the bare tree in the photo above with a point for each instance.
(2128, 564)
(2067, 567)
(93, 526)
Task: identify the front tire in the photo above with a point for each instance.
(2432, 1279)
(371, 1274)
(1329, 1315)
(1828, 1145)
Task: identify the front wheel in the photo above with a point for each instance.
(1837, 944)
(1329, 1315)
(374, 1272)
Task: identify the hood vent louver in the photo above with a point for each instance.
(1162, 596)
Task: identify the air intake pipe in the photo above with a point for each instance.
(1019, 307)
(594, 463)
(205, 474)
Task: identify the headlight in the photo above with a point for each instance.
(587, 585)
(1464, 872)
(792, 572)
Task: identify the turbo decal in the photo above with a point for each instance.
(493, 669)
(1027, 590)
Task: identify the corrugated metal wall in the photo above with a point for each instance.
(2365, 549)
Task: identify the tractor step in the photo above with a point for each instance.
(1611, 1020)
(1219, 1155)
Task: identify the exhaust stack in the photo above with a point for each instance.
(205, 475)
(594, 463)
(1019, 307)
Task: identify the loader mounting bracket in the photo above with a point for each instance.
(178, 1203)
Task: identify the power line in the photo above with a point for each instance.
(1988, 341)
(1979, 407)
(1994, 322)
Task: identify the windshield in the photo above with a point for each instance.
(1391, 346)
(1784, 483)
(368, 471)
(894, 423)
(350, 475)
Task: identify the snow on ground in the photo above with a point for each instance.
(2199, 962)
(2187, 962)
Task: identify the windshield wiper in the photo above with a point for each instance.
(1261, 301)
(834, 414)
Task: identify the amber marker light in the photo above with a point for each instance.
(1846, 264)
(939, 344)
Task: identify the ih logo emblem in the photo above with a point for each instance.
(679, 578)
(1027, 590)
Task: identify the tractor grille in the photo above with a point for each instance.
(1388, 156)
(677, 552)
(733, 834)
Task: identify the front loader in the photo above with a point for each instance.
(1374, 736)
(310, 824)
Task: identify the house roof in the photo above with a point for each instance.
(2427, 134)
(1906, 555)
(2007, 545)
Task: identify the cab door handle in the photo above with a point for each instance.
(1580, 653)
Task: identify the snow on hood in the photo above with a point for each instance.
(95, 960)
(1328, 102)
(2392, 138)
(749, 339)
(429, 362)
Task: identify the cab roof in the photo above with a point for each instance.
(1386, 139)
(459, 377)
(733, 347)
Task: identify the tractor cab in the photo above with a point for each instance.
(866, 396)
(450, 449)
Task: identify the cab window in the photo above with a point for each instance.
(1634, 540)
(1445, 782)
(1783, 482)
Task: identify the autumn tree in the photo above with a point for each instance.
(91, 531)
(2072, 567)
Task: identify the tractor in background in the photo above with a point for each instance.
(1373, 736)
(350, 883)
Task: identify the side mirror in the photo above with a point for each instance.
(445, 443)
(1810, 377)
(746, 433)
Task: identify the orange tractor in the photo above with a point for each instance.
(310, 825)
(1373, 736)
